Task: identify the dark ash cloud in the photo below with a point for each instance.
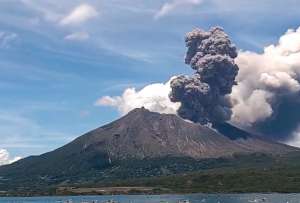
(203, 95)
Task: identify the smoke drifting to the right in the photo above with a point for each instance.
(267, 96)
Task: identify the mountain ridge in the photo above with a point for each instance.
(144, 144)
(143, 134)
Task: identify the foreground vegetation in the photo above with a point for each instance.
(255, 173)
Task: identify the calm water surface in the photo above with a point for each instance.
(194, 198)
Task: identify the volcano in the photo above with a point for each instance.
(142, 134)
(140, 144)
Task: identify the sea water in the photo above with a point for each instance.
(193, 198)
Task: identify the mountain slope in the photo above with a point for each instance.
(142, 143)
(144, 134)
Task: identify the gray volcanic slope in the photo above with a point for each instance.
(142, 135)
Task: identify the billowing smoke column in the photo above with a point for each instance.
(267, 97)
(203, 96)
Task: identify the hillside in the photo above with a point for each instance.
(143, 144)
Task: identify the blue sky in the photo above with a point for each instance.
(58, 57)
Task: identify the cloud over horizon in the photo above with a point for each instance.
(5, 157)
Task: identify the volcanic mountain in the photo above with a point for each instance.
(139, 144)
(143, 134)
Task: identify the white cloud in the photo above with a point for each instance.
(265, 78)
(78, 36)
(79, 15)
(295, 138)
(279, 80)
(153, 97)
(255, 108)
(5, 157)
(6, 38)
(174, 5)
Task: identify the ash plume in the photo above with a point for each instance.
(203, 95)
(267, 97)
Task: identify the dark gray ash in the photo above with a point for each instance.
(203, 95)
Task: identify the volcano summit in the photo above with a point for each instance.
(141, 144)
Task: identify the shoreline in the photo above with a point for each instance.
(90, 192)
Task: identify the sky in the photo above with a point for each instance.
(57, 58)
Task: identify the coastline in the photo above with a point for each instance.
(119, 191)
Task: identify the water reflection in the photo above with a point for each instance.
(194, 198)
